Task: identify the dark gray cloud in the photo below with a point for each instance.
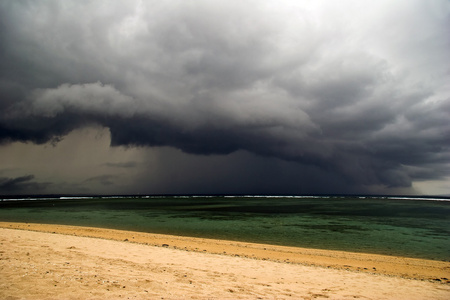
(102, 179)
(21, 184)
(357, 93)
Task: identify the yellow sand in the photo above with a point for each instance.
(60, 262)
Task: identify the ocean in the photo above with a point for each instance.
(411, 227)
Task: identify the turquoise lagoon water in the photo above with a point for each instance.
(393, 226)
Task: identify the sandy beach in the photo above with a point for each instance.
(40, 261)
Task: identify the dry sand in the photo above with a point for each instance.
(65, 262)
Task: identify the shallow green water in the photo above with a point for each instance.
(403, 227)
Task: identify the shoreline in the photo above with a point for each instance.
(51, 262)
(403, 267)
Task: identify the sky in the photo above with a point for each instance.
(225, 97)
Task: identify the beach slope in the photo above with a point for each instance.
(61, 261)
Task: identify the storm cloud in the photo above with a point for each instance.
(22, 183)
(358, 92)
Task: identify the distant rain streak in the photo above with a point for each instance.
(232, 97)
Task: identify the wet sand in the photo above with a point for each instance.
(53, 262)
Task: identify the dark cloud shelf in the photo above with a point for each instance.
(224, 97)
